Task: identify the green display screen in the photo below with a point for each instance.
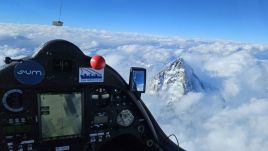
(15, 129)
(100, 119)
(61, 115)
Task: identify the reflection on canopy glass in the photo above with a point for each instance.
(138, 80)
(61, 115)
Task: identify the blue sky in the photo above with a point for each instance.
(238, 20)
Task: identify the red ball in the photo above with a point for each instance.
(97, 62)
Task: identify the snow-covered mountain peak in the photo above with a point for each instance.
(175, 80)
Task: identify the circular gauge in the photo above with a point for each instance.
(12, 100)
(125, 118)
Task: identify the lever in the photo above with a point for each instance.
(8, 60)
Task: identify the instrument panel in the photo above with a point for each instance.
(56, 101)
(92, 116)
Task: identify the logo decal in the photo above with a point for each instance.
(63, 148)
(29, 72)
(87, 75)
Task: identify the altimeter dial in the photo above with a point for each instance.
(125, 118)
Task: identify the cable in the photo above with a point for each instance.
(60, 9)
(176, 139)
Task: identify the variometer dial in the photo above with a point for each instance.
(125, 118)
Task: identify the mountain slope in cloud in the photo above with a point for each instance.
(175, 81)
(200, 119)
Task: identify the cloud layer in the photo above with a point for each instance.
(200, 120)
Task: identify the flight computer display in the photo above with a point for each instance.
(60, 115)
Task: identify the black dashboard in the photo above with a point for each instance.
(54, 101)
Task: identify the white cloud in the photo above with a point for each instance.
(187, 101)
(231, 88)
(227, 66)
(201, 121)
(242, 128)
(114, 60)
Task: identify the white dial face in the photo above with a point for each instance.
(125, 118)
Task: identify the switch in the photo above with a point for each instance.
(10, 121)
(17, 120)
(23, 120)
(107, 135)
(10, 147)
(92, 139)
(30, 147)
(100, 138)
(20, 148)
